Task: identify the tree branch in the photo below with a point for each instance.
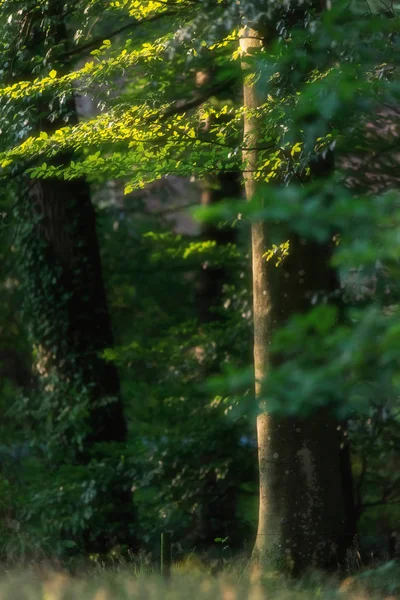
(128, 26)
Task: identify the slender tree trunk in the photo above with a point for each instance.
(212, 278)
(218, 506)
(301, 509)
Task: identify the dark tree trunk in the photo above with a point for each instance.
(218, 503)
(70, 321)
(212, 278)
(68, 295)
(351, 517)
(70, 326)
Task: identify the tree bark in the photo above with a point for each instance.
(301, 507)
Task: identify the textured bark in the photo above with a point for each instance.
(302, 504)
(301, 511)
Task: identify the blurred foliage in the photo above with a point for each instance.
(187, 449)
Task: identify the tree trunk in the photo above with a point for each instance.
(219, 501)
(212, 278)
(301, 510)
(70, 322)
(217, 508)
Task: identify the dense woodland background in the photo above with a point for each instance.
(149, 151)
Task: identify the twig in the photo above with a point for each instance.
(128, 26)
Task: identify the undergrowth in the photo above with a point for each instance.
(191, 579)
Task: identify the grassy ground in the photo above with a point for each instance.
(190, 582)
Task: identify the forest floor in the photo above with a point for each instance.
(39, 582)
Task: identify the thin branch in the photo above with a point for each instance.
(190, 104)
(127, 27)
(389, 8)
(369, 8)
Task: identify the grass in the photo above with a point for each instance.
(191, 581)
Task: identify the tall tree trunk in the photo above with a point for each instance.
(70, 322)
(301, 510)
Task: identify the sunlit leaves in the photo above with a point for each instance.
(144, 9)
(84, 77)
(278, 252)
(322, 82)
